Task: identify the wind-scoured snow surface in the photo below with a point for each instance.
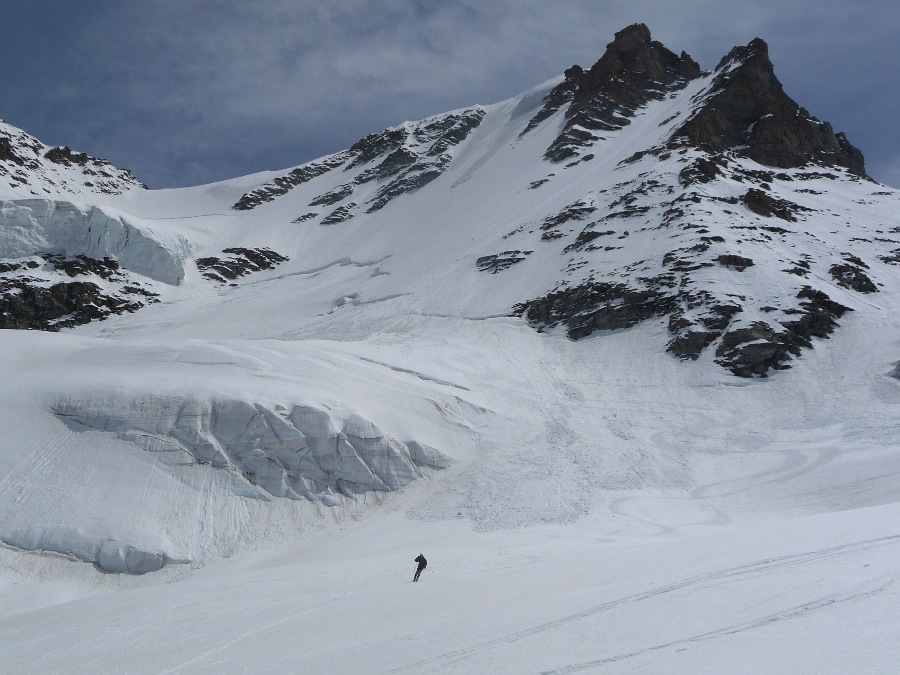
(371, 356)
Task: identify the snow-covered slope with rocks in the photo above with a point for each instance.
(641, 299)
(31, 169)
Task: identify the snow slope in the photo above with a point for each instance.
(371, 356)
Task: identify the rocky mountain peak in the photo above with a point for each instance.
(634, 69)
(747, 110)
(634, 58)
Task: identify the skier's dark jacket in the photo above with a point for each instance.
(422, 562)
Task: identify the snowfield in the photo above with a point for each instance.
(237, 476)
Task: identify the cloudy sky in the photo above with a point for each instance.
(185, 92)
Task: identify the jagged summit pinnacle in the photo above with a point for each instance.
(756, 47)
(636, 56)
(634, 69)
(743, 110)
(748, 110)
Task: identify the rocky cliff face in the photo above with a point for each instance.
(634, 70)
(747, 110)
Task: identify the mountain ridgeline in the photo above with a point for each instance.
(640, 189)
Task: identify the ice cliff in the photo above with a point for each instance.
(35, 226)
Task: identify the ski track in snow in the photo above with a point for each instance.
(786, 614)
(717, 578)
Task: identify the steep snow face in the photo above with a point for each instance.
(29, 168)
(35, 226)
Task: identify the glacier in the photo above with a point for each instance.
(631, 388)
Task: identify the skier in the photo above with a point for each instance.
(422, 564)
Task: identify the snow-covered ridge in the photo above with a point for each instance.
(30, 168)
(36, 226)
(412, 155)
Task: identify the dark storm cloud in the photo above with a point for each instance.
(185, 92)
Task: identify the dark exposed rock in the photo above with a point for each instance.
(701, 170)
(283, 184)
(697, 319)
(240, 262)
(306, 216)
(628, 212)
(368, 148)
(818, 316)
(28, 303)
(764, 204)
(584, 158)
(22, 162)
(449, 130)
(412, 179)
(689, 338)
(853, 277)
(753, 350)
(7, 154)
(409, 167)
(585, 238)
(536, 184)
(891, 259)
(64, 155)
(439, 135)
(340, 214)
(720, 315)
(550, 235)
(559, 96)
(59, 306)
(82, 265)
(596, 306)
(501, 261)
(634, 70)
(16, 266)
(737, 262)
(748, 111)
(579, 210)
(333, 196)
(689, 344)
(397, 161)
(855, 260)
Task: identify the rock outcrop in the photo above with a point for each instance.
(238, 262)
(634, 70)
(412, 155)
(32, 296)
(748, 111)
